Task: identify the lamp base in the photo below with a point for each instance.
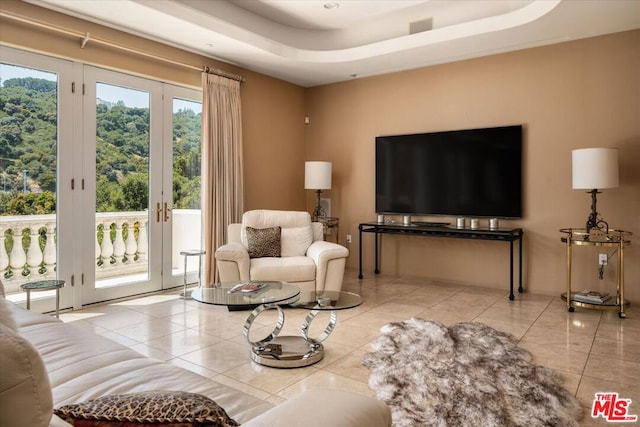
(319, 211)
(593, 221)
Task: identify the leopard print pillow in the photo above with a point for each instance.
(148, 408)
(263, 242)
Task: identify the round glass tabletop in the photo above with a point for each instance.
(43, 285)
(327, 300)
(246, 293)
(193, 252)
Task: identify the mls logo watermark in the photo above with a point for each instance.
(612, 408)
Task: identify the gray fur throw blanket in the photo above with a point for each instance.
(468, 374)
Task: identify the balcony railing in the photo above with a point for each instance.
(121, 245)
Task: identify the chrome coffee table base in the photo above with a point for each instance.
(274, 350)
(287, 351)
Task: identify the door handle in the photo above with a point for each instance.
(157, 210)
(166, 212)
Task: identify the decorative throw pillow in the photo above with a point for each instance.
(263, 242)
(151, 408)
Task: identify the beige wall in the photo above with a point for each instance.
(273, 120)
(572, 95)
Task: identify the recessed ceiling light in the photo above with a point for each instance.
(331, 5)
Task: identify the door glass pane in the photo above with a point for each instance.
(186, 233)
(28, 176)
(122, 185)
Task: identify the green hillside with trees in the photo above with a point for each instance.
(28, 143)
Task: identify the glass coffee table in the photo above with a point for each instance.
(224, 294)
(274, 350)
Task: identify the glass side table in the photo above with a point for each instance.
(44, 285)
(187, 254)
(579, 237)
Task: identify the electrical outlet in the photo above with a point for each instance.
(602, 259)
(348, 238)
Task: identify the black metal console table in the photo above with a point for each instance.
(505, 235)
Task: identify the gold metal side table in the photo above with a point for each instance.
(617, 239)
(328, 225)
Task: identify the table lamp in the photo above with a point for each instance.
(594, 169)
(317, 176)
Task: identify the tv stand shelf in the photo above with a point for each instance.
(430, 224)
(504, 235)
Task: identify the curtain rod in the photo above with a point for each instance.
(86, 37)
(223, 73)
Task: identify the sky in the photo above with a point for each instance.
(132, 97)
(107, 92)
(11, 71)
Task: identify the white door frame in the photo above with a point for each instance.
(66, 218)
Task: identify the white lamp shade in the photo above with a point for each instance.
(595, 168)
(317, 175)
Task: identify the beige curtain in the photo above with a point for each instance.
(222, 181)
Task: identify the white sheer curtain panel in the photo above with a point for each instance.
(222, 178)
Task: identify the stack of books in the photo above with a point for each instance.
(592, 297)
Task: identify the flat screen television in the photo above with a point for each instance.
(462, 173)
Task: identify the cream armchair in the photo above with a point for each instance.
(305, 259)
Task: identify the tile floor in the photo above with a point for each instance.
(594, 351)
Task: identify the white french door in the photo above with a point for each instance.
(155, 161)
(127, 169)
(122, 164)
(36, 215)
(182, 173)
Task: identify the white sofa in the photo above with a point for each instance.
(45, 363)
(306, 259)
